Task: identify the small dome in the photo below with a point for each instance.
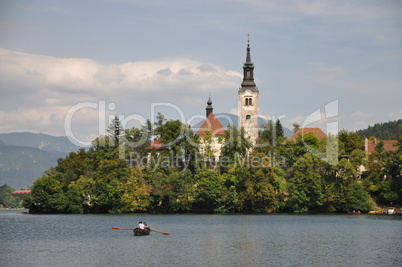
(209, 101)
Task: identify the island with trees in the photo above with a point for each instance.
(128, 171)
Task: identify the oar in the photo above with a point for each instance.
(160, 232)
(117, 228)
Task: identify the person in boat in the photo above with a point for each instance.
(146, 226)
(141, 225)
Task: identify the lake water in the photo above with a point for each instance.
(201, 240)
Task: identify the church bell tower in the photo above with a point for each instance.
(248, 100)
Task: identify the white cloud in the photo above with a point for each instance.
(41, 89)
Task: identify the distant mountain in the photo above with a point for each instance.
(385, 131)
(226, 118)
(25, 156)
(40, 141)
(21, 166)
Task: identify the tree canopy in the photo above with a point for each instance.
(122, 172)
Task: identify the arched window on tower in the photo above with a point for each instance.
(248, 117)
(248, 101)
(248, 73)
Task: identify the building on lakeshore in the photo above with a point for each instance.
(209, 133)
(21, 192)
(211, 129)
(370, 145)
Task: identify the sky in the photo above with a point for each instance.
(68, 67)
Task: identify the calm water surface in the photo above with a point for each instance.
(201, 240)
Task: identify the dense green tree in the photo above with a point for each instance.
(101, 149)
(47, 196)
(172, 190)
(270, 136)
(171, 132)
(327, 150)
(7, 200)
(137, 140)
(172, 135)
(74, 200)
(348, 142)
(85, 186)
(358, 158)
(378, 180)
(288, 153)
(309, 140)
(181, 144)
(159, 119)
(72, 167)
(385, 180)
(306, 185)
(105, 197)
(134, 192)
(257, 191)
(235, 147)
(267, 137)
(211, 195)
(356, 198)
(279, 130)
(115, 131)
(345, 193)
(296, 127)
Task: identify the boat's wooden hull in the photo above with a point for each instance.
(137, 231)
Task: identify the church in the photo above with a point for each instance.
(212, 129)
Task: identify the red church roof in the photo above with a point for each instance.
(157, 145)
(212, 125)
(303, 131)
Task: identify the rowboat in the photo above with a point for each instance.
(137, 231)
(354, 212)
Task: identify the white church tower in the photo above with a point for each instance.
(248, 100)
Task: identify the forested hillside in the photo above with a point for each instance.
(385, 131)
(21, 166)
(40, 141)
(24, 156)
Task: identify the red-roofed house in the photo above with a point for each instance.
(211, 126)
(21, 192)
(303, 131)
(370, 145)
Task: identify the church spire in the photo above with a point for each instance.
(209, 108)
(248, 58)
(248, 100)
(248, 72)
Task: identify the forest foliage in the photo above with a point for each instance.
(119, 173)
(385, 131)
